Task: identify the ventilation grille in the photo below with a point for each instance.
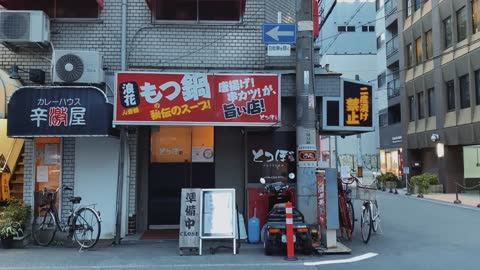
(69, 68)
(15, 26)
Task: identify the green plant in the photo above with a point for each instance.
(10, 228)
(17, 211)
(423, 182)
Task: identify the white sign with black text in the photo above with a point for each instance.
(278, 49)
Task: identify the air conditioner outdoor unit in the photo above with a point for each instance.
(24, 26)
(74, 66)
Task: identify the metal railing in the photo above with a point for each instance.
(393, 88)
(392, 45)
(457, 201)
(390, 7)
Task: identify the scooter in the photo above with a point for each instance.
(274, 234)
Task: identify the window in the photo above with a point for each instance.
(371, 28)
(383, 120)
(350, 28)
(364, 28)
(409, 55)
(477, 86)
(450, 95)
(66, 9)
(409, 7)
(462, 24)
(199, 10)
(48, 163)
(431, 102)
(447, 32)
(428, 45)
(421, 106)
(418, 50)
(394, 114)
(411, 107)
(342, 29)
(381, 78)
(379, 4)
(380, 41)
(418, 4)
(475, 21)
(464, 92)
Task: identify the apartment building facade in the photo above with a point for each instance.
(440, 88)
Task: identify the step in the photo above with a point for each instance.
(16, 182)
(19, 172)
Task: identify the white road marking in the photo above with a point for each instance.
(350, 260)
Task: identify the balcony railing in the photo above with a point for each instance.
(392, 45)
(390, 7)
(393, 88)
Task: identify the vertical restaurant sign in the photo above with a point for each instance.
(189, 232)
(144, 98)
(357, 105)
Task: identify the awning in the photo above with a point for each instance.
(59, 112)
(7, 87)
(24, 4)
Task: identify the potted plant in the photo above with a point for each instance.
(424, 183)
(15, 217)
(390, 180)
(8, 230)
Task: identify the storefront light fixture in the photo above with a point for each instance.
(35, 75)
(440, 150)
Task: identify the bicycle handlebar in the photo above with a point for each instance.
(65, 187)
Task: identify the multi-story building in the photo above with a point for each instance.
(201, 37)
(440, 88)
(347, 46)
(388, 82)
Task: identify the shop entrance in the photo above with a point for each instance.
(180, 157)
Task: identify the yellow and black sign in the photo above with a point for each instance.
(357, 104)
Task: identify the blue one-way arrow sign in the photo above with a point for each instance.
(279, 33)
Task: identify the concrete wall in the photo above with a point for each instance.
(230, 161)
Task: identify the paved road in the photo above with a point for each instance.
(417, 234)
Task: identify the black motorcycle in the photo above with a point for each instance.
(274, 233)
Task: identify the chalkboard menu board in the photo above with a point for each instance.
(218, 213)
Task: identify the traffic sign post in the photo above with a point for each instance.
(279, 33)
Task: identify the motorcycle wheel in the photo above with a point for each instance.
(307, 245)
(268, 246)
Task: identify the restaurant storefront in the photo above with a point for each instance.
(69, 140)
(192, 133)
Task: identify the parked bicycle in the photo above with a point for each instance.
(83, 223)
(370, 216)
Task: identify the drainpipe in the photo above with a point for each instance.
(121, 156)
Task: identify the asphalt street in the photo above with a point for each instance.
(417, 234)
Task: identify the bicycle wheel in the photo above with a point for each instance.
(351, 214)
(366, 223)
(44, 227)
(375, 216)
(86, 228)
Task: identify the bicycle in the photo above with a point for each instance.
(370, 216)
(83, 223)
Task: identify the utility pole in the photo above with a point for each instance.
(306, 120)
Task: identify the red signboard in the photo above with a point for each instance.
(197, 98)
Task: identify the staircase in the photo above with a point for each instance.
(11, 175)
(16, 178)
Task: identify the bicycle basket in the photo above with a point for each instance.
(43, 198)
(365, 194)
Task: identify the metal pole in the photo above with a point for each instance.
(306, 121)
(457, 201)
(123, 143)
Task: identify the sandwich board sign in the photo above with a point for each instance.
(189, 231)
(218, 216)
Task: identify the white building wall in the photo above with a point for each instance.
(96, 175)
(353, 54)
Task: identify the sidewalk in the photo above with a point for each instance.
(469, 199)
